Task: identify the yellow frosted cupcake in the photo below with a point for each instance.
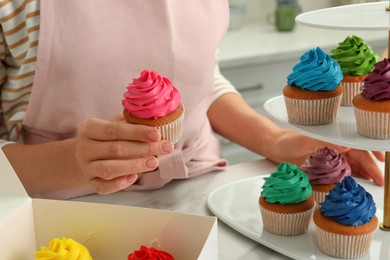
(65, 248)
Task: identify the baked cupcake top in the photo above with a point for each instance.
(151, 96)
(349, 203)
(316, 71)
(326, 166)
(355, 56)
(61, 249)
(287, 185)
(376, 85)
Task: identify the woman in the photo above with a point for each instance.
(65, 67)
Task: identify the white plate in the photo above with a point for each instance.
(367, 17)
(341, 132)
(236, 204)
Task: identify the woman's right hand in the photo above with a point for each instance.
(112, 154)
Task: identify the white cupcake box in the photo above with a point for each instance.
(108, 231)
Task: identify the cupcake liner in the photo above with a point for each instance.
(173, 131)
(371, 124)
(343, 246)
(319, 196)
(312, 112)
(286, 224)
(350, 89)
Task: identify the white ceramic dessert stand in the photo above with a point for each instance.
(369, 16)
(236, 203)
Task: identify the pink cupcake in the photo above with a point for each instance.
(153, 100)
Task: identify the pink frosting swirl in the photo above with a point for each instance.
(377, 84)
(151, 96)
(326, 166)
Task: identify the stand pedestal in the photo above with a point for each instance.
(385, 225)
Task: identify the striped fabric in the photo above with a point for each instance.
(19, 20)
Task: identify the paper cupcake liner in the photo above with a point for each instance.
(286, 224)
(374, 125)
(350, 89)
(343, 246)
(173, 131)
(319, 196)
(312, 112)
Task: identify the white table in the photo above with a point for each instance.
(190, 196)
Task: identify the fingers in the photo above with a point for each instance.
(102, 130)
(380, 156)
(112, 169)
(105, 187)
(95, 150)
(364, 165)
(112, 153)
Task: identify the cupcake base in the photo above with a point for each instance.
(351, 87)
(286, 219)
(341, 241)
(372, 117)
(312, 108)
(320, 191)
(171, 126)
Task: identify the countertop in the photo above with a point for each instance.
(256, 43)
(190, 196)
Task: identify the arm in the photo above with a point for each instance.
(106, 156)
(233, 118)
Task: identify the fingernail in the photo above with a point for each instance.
(167, 147)
(151, 163)
(154, 135)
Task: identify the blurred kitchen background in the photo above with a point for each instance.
(256, 56)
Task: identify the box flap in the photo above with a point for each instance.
(10, 185)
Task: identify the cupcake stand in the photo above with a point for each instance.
(236, 203)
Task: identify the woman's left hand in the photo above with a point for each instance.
(294, 147)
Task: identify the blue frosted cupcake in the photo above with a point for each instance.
(313, 92)
(346, 221)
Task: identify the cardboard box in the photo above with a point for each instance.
(109, 231)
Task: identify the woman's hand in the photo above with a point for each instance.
(293, 147)
(112, 154)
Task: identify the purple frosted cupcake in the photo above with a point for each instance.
(325, 168)
(372, 106)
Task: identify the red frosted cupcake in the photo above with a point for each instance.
(150, 253)
(152, 100)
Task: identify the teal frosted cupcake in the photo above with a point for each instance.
(356, 59)
(286, 201)
(313, 92)
(346, 220)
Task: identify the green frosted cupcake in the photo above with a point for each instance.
(356, 59)
(286, 201)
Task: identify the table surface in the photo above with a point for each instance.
(189, 196)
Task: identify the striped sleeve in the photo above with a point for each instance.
(221, 84)
(19, 21)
